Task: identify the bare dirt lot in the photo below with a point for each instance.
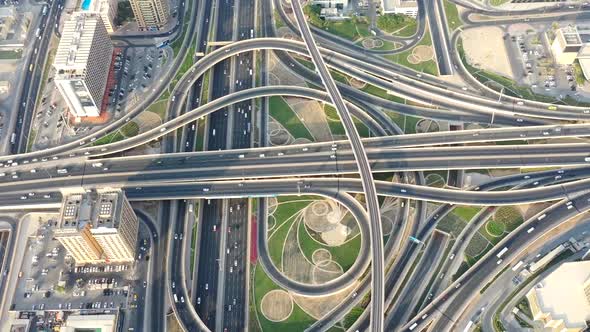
(490, 55)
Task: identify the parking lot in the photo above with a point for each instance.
(535, 66)
(49, 280)
(539, 67)
(134, 71)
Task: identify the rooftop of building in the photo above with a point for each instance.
(103, 323)
(562, 293)
(99, 209)
(8, 12)
(76, 41)
(570, 35)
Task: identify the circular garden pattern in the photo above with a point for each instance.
(277, 305)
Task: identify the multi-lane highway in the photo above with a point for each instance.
(439, 31)
(210, 269)
(361, 161)
(33, 77)
(231, 171)
(509, 249)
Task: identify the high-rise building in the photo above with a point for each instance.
(561, 301)
(150, 14)
(98, 227)
(82, 63)
(74, 230)
(115, 226)
(107, 9)
(567, 45)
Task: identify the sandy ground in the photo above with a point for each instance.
(327, 218)
(147, 120)
(322, 216)
(300, 268)
(372, 43)
(319, 306)
(311, 112)
(272, 204)
(295, 264)
(312, 115)
(276, 305)
(321, 255)
(455, 79)
(279, 74)
(413, 59)
(423, 52)
(326, 271)
(336, 236)
(491, 55)
(529, 210)
(356, 83)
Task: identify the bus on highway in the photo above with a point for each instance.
(415, 240)
(163, 44)
(502, 252)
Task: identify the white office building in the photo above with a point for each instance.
(82, 63)
(567, 45)
(404, 7)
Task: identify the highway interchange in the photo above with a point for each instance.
(231, 170)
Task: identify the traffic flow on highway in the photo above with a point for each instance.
(299, 166)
